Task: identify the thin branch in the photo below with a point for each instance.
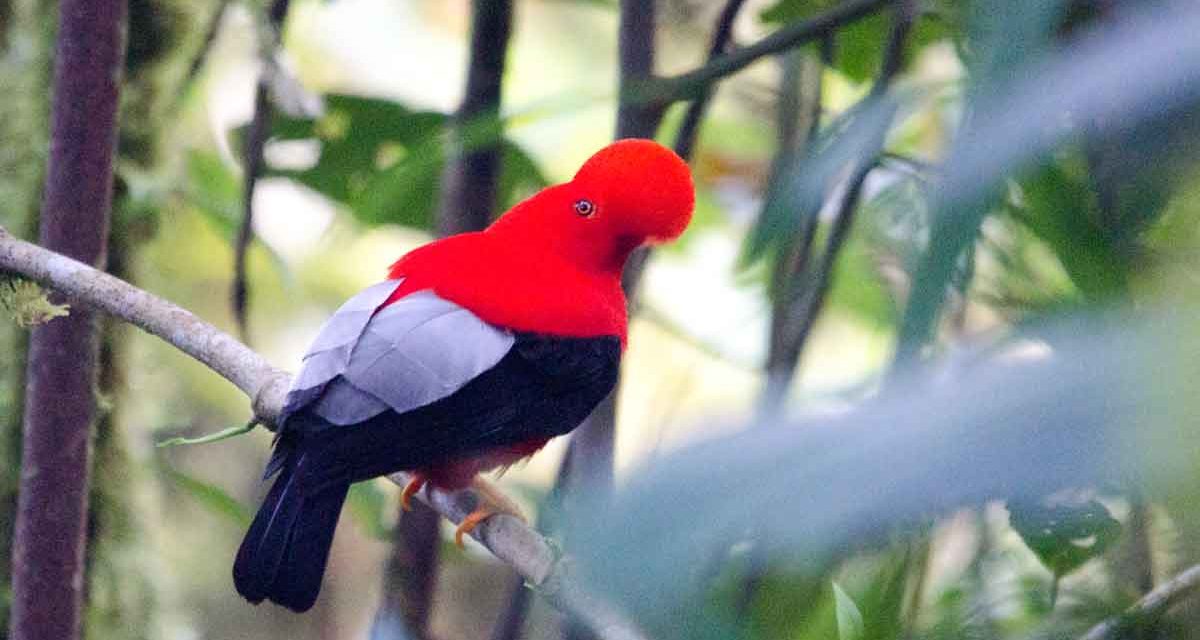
(256, 139)
(807, 307)
(221, 352)
(685, 140)
(1153, 605)
(512, 618)
(206, 45)
(664, 90)
(505, 537)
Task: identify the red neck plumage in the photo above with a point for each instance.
(518, 278)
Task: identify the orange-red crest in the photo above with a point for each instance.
(643, 186)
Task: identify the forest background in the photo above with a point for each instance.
(923, 366)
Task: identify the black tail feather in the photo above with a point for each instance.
(283, 556)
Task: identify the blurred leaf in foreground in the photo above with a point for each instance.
(1006, 431)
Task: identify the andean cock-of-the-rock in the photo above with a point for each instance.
(475, 352)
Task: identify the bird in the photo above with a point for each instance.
(475, 351)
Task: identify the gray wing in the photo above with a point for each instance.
(413, 352)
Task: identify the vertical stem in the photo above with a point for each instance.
(469, 186)
(635, 50)
(25, 72)
(256, 140)
(60, 394)
(471, 174)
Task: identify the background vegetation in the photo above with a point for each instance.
(923, 366)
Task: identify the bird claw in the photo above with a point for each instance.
(469, 524)
(410, 490)
(495, 503)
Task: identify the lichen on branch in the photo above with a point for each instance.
(26, 303)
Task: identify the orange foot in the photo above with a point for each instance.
(410, 490)
(493, 502)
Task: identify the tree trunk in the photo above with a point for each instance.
(60, 404)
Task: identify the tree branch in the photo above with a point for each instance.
(1153, 605)
(201, 56)
(664, 90)
(807, 307)
(504, 536)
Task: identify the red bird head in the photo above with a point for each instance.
(630, 193)
(640, 188)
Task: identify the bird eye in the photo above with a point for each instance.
(585, 208)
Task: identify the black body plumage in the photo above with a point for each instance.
(542, 387)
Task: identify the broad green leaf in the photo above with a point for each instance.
(384, 161)
(849, 618)
(364, 141)
(1064, 535)
(210, 496)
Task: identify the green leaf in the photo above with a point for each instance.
(1064, 535)
(210, 496)
(379, 157)
(520, 177)
(384, 161)
(849, 618)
